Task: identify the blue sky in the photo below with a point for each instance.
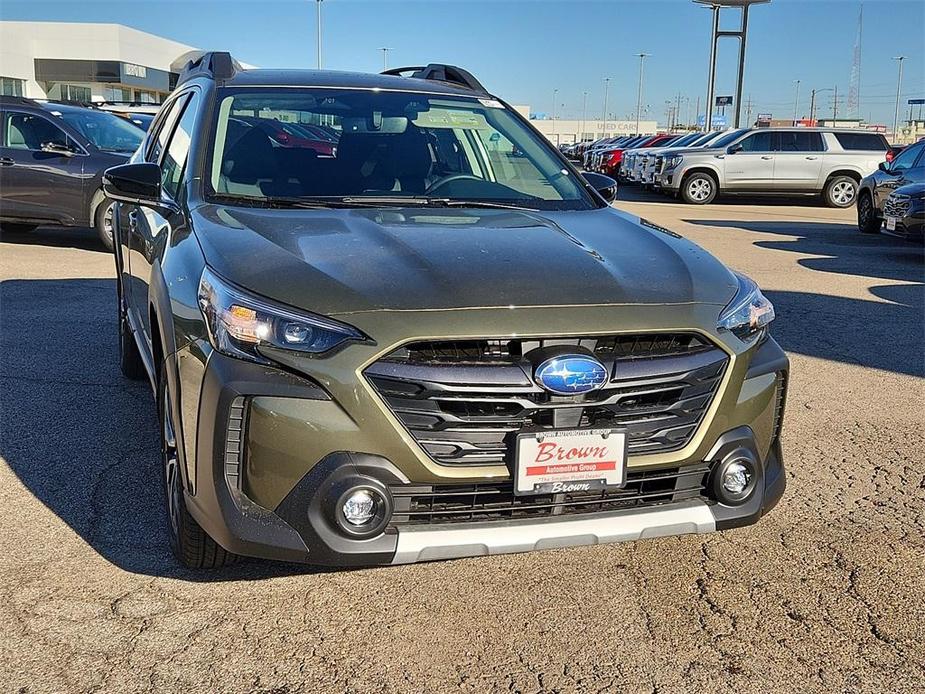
(523, 49)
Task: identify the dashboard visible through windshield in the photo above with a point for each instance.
(342, 146)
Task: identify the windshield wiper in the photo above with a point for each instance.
(486, 205)
(277, 201)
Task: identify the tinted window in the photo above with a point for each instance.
(174, 161)
(906, 158)
(28, 131)
(871, 142)
(797, 141)
(166, 119)
(729, 137)
(107, 132)
(392, 144)
(759, 142)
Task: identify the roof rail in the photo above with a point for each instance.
(216, 65)
(440, 73)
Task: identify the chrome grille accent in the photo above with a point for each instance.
(234, 441)
(466, 411)
(896, 205)
(426, 505)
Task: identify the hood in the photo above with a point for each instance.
(348, 260)
(913, 190)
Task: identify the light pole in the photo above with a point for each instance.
(642, 62)
(385, 58)
(812, 105)
(606, 88)
(796, 103)
(584, 116)
(318, 13)
(899, 89)
(555, 100)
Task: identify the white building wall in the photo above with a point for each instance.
(568, 131)
(22, 42)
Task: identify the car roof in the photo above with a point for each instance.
(335, 78)
(43, 105)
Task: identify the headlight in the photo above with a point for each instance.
(674, 161)
(240, 324)
(749, 313)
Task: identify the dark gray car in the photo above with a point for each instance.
(907, 168)
(52, 158)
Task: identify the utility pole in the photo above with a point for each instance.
(899, 89)
(796, 103)
(748, 111)
(606, 88)
(697, 113)
(687, 119)
(385, 58)
(642, 61)
(555, 99)
(318, 7)
(677, 110)
(584, 116)
(812, 109)
(835, 108)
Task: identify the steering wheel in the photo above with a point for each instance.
(449, 179)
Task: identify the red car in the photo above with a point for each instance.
(610, 161)
(294, 135)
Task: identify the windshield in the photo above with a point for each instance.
(107, 132)
(348, 146)
(729, 137)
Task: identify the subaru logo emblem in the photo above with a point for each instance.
(571, 374)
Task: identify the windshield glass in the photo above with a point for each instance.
(729, 137)
(107, 132)
(326, 145)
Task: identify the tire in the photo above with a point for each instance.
(840, 191)
(868, 222)
(16, 228)
(191, 545)
(699, 189)
(130, 361)
(102, 221)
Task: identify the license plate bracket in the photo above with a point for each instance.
(557, 461)
(891, 223)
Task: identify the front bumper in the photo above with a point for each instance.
(271, 492)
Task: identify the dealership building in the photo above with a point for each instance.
(87, 62)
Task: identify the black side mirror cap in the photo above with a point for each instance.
(604, 185)
(733, 149)
(884, 166)
(137, 183)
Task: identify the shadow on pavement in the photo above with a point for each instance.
(79, 435)
(843, 248)
(57, 237)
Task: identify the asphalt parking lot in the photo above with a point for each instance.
(823, 595)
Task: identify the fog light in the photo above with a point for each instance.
(360, 507)
(736, 478)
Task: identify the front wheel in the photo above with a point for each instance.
(868, 222)
(192, 545)
(841, 191)
(103, 222)
(699, 189)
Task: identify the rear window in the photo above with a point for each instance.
(871, 142)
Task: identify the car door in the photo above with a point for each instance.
(906, 168)
(749, 163)
(798, 160)
(41, 169)
(143, 227)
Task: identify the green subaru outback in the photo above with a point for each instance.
(387, 322)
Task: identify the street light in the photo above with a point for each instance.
(318, 6)
(555, 99)
(606, 88)
(899, 89)
(715, 6)
(642, 60)
(584, 116)
(385, 58)
(796, 103)
(812, 104)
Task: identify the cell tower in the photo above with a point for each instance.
(854, 85)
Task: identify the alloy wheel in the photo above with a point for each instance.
(700, 189)
(107, 219)
(173, 486)
(843, 193)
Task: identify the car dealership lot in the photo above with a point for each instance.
(825, 591)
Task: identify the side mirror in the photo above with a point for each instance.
(733, 149)
(137, 183)
(605, 185)
(58, 148)
(884, 166)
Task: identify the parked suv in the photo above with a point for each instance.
(424, 346)
(777, 161)
(907, 168)
(52, 158)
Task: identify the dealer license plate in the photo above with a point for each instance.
(552, 462)
(891, 223)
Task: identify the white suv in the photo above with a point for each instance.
(777, 161)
